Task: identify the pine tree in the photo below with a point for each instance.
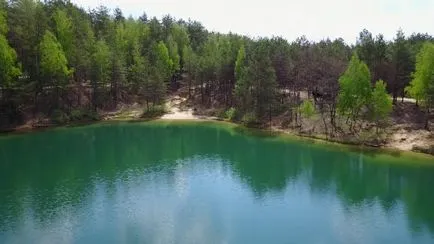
(259, 81)
(100, 69)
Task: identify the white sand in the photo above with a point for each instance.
(175, 112)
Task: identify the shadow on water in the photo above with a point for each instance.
(70, 161)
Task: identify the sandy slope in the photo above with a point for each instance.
(175, 110)
(407, 140)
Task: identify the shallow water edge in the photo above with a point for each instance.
(393, 155)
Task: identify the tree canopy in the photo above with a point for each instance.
(102, 59)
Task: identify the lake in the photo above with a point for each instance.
(198, 182)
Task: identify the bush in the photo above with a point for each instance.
(83, 115)
(231, 114)
(250, 120)
(59, 117)
(286, 122)
(307, 108)
(154, 111)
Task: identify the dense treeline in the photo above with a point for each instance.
(60, 61)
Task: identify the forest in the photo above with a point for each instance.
(63, 63)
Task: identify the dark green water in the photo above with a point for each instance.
(202, 183)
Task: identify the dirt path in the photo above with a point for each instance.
(176, 111)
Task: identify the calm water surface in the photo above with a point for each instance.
(200, 183)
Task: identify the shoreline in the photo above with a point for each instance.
(28, 128)
(175, 112)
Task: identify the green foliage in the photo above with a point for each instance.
(197, 33)
(257, 87)
(243, 93)
(27, 22)
(240, 63)
(250, 120)
(138, 72)
(231, 114)
(9, 69)
(83, 114)
(53, 60)
(355, 88)
(381, 103)
(3, 22)
(59, 117)
(307, 108)
(401, 59)
(133, 60)
(180, 36)
(173, 54)
(101, 62)
(190, 59)
(162, 62)
(64, 31)
(422, 85)
(154, 111)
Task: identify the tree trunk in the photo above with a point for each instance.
(325, 123)
(201, 93)
(189, 88)
(94, 97)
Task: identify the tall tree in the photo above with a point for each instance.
(119, 17)
(9, 68)
(354, 89)
(240, 63)
(155, 88)
(27, 23)
(381, 104)
(190, 67)
(366, 48)
(422, 85)
(260, 80)
(83, 41)
(64, 31)
(118, 46)
(54, 65)
(401, 58)
(53, 61)
(156, 30)
(143, 18)
(242, 85)
(3, 13)
(197, 34)
(162, 62)
(101, 58)
(173, 53)
(101, 22)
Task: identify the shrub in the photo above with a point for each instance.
(307, 108)
(83, 115)
(250, 120)
(154, 111)
(59, 117)
(286, 122)
(231, 114)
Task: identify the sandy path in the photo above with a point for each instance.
(175, 111)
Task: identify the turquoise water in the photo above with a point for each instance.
(206, 183)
